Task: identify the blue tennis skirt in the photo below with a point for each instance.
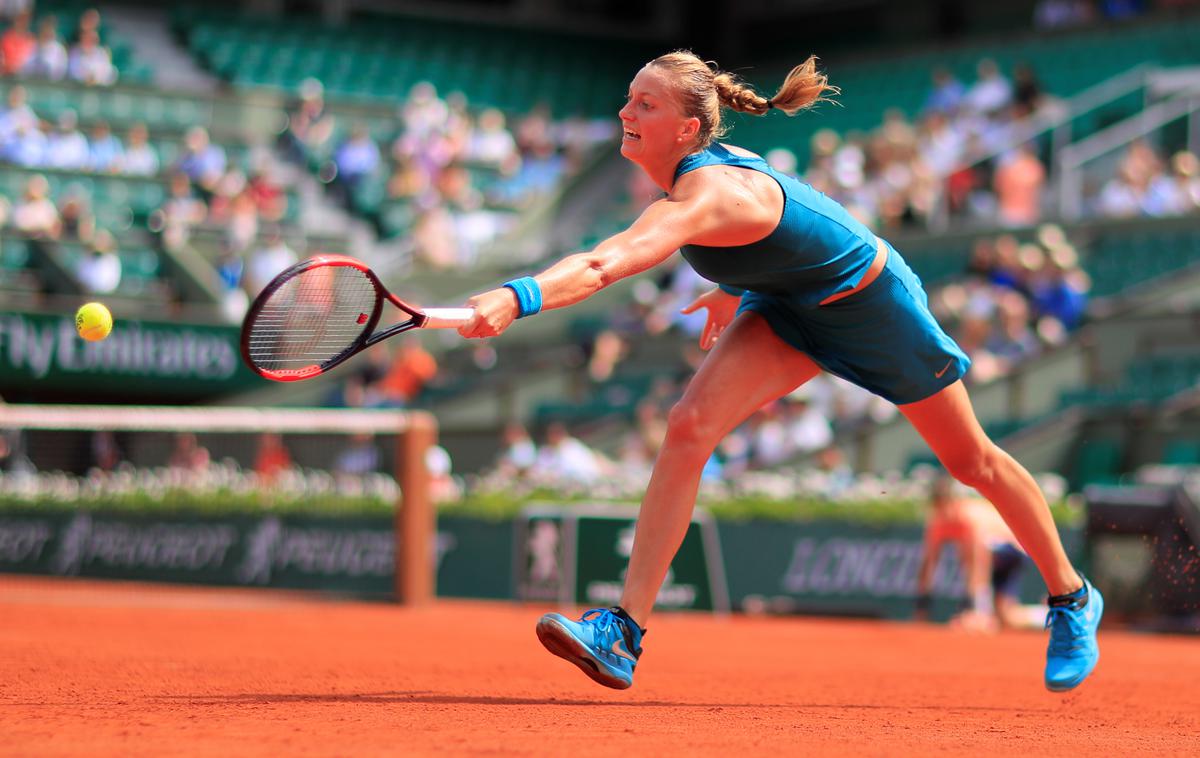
(882, 338)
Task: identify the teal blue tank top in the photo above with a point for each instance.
(818, 249)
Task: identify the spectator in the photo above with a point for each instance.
(360, 458)
(423, 112)
(17, 45)
(947, 93)
(13, 460)
(234, 300)
(105, 153)
(1178, 192)
(27, 147)
(309, 125)
(16, 116)
(89, 23)
(271, 459)
(1014, 341)
(411, 368)
(808, 429)
(1060, 292)
(991, 92)
(268, 260)
(11, 9)
(225, 190)
(36, 215)
(76, 219)
(1122, 196)
(66, 147)
(90, 62)
(491, 144)
(1062, 14)
(1027, 91)
(179, 213)
(941, 146)
(1121, 9)
(49, 58)
(408, 181)
(106, 453)
(642, 443)
(201, 161)
(100, 270)
(566, 459)
(518, 453)
(269, 197)
(140, 158)
(769, 437)
(1018, 183)
(443, 487)
(188, 455)
(434, 238)
(242, 227)
(356, 158)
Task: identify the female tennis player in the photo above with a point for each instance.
(803, 287)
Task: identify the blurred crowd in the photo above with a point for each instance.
(906, 172)
(962, 160)
(27, 52)
(462, 172)
(31, 141)
(1015, 300)
(1146, 185)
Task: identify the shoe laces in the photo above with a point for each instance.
(603, 619)
(1066, 629)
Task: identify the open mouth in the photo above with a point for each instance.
(632, 135)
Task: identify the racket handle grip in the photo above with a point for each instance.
(446, 318)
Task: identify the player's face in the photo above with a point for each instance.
(651, 120)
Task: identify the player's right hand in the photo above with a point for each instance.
(495, 310)
(722, 307)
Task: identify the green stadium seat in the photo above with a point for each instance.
(1182, 453)
(1097, 461)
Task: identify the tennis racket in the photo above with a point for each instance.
(320, 312)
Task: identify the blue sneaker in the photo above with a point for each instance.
(1073, 651)
(605, 644)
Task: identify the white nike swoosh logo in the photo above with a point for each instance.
(945, 368)
(618, 648)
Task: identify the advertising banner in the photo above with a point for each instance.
(577, 555)
(353, 556)
(837, 568)
(157, 360)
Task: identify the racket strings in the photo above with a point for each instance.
(312, 318)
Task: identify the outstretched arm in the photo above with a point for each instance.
(663, 228)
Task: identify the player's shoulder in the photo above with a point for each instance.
(741, 152)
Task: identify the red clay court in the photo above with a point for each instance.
(97, 668)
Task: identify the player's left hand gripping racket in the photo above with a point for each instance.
(321, 312)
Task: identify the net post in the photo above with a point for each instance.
(416, 521)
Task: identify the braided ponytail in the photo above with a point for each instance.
(733, 94)
(704, 89)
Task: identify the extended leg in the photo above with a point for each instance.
(749, 367)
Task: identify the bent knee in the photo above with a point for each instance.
(687, 424)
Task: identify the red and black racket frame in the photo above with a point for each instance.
(365, 339)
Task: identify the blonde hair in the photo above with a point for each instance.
(704, 89)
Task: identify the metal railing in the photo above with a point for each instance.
(1056, 121)
(1069, 167)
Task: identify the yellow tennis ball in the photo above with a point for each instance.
(93, 322)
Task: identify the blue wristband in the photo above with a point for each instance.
(729, 289)
(529, 295)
